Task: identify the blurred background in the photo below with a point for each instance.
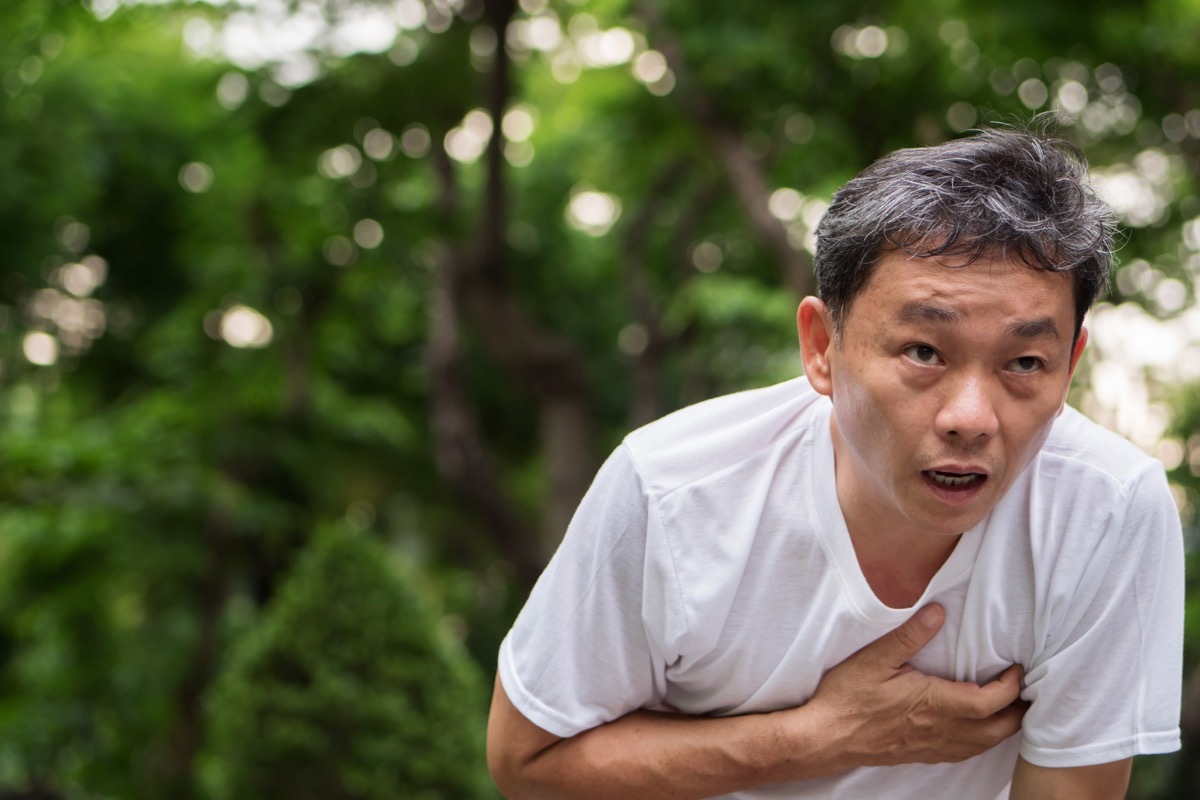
(317, 317)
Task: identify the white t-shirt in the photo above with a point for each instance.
(709, 571)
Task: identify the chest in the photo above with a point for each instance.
(789, 625)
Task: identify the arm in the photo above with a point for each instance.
(1095, 782)
(642, 754)
(871, 709)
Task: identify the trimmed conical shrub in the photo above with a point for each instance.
(346, 691)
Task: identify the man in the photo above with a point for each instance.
(864, 582)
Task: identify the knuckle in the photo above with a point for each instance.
(980, 708)
(1001, 729)
(905, 638)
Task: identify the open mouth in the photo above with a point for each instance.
(955, 480)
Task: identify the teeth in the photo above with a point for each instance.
(950, 479)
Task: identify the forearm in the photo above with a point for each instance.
(648, 755)
(1097, 782)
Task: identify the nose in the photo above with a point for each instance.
(967, 413)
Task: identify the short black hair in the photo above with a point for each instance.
(1002, 193)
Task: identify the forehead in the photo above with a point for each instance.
(905, 288)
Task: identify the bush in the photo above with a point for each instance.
(346, 691)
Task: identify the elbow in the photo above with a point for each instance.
(513, 776)
(515, 752)
(510, 764)
(504, 772)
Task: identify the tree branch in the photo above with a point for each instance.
(460, 453)
(647, 385)
(742, 169)
(549, 367)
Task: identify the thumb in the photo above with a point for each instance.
(897, 647)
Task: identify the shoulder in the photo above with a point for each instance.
(711, 437)
(1090, 494)
(1095, 454)
(1087, 490)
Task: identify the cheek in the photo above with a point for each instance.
(854, 405)
(873, 426)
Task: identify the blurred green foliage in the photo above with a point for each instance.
(414, 293)
(347, 689)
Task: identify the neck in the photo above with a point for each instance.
(895, 575)
(897, 558)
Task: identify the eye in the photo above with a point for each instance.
(1025, 365)
(923, 354)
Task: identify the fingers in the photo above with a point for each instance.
(980, 702)
(966, 738)
(989, 732)
(1003, 691)
(894, 649)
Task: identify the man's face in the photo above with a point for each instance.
(945, 382)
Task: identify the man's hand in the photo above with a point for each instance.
(887, 712)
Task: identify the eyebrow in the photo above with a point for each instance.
(916, 310)
(1034, 328)
(1025, 329)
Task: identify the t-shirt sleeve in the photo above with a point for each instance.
(1107, 682)
(594, 639)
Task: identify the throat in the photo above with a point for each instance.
(898, 576)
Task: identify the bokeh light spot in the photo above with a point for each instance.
(961, 116)
(72, 234)
(467, 142)
(379, 144)
(404, 51)
(242, 326)
(232, 90)
(1170, 295)
(663, 86)
(415, 140)
(519, 154)
(339, 251)
(1033, 93)
(1170, 453)
(707, 257)
(786, 203)
(518, 124)
(339, 162)
(543, 32)
(871, 41)
(196, 177)
(83, 278)
(799, 128)
(368, 234)
(408, 14)
(592, 212)
(633, 340)
(483, 42)
(650, 66)
(1072, 97)
(40, 348)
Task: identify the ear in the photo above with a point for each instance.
(1077, 351)
(814, 322)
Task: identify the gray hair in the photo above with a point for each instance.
(999, 193)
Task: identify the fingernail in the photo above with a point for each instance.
(928, 616)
